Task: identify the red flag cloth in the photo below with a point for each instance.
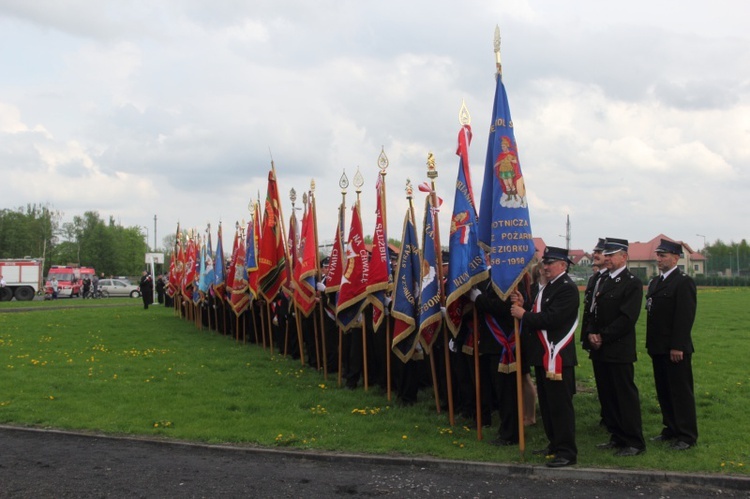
(337, 259)
(353, 291)
(229, 279)
(380, 260)
(272, 269)
(306, 266)
(188, 277)
(336, 263)
(239, 297)
(173, 284)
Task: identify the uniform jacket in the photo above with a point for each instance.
(560, 301)
(670, 306)
(587, 315)
(618, 305)
(489, 303)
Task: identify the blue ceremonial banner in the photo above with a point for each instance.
(406, 292)
(504, 227)
(208, 277)
(219, 267)
(467, 265)
(251, 253)
(199, 293)
(430, 316)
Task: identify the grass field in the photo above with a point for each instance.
(110, 366)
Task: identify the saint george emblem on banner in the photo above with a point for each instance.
(508, 172)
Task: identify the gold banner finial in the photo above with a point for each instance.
(382, 161)
(464, 118)
(359, 181)
(498, 62)
(431, 171)
(343, 182)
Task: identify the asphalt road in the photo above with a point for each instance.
(38, 463)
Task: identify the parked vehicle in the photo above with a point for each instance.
(69, 279)
(23, 278)
(117, 287)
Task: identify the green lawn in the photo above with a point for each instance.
(110, 366)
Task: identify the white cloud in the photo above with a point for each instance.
(629, 123)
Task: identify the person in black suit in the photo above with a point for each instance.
(587, 316)
(611, 336)
(550, 347)
(146, 286)
(670, 304)
(497, 362)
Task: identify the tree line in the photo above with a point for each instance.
(37, 231)
(731, 259)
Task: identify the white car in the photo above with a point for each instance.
(117, 287)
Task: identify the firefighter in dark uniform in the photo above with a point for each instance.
(611, 336)
(670, 304)
(549, 338)
(497, 363)
(592, 287)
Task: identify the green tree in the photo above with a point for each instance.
(29, 231)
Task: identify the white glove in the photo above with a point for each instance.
(387, 301)
(320, 287)
(452, 346)
(474, 293)
(444, 312)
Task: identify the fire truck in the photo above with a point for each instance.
(23, 278)
(69, 279)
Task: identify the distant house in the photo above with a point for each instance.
(642, 259)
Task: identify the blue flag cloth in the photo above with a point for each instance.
(430, 316)
(219, 267)
(208, 277)
(251, 254)
(406, 292)
(467, 265)
(504, 226)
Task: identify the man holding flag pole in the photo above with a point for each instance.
(504, 226)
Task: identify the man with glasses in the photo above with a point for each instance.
(550, 335)
(611, 335)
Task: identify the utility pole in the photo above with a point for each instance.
(705, 253)
(567, 233)
(155, 245)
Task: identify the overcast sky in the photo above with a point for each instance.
(631, 117)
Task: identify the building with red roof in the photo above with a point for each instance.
(642, 258)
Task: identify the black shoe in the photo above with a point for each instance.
(680, 445)
(542, 452)
(501, 442)
(608, 445)
(629, 451)
(560, 462)
(661, 438)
